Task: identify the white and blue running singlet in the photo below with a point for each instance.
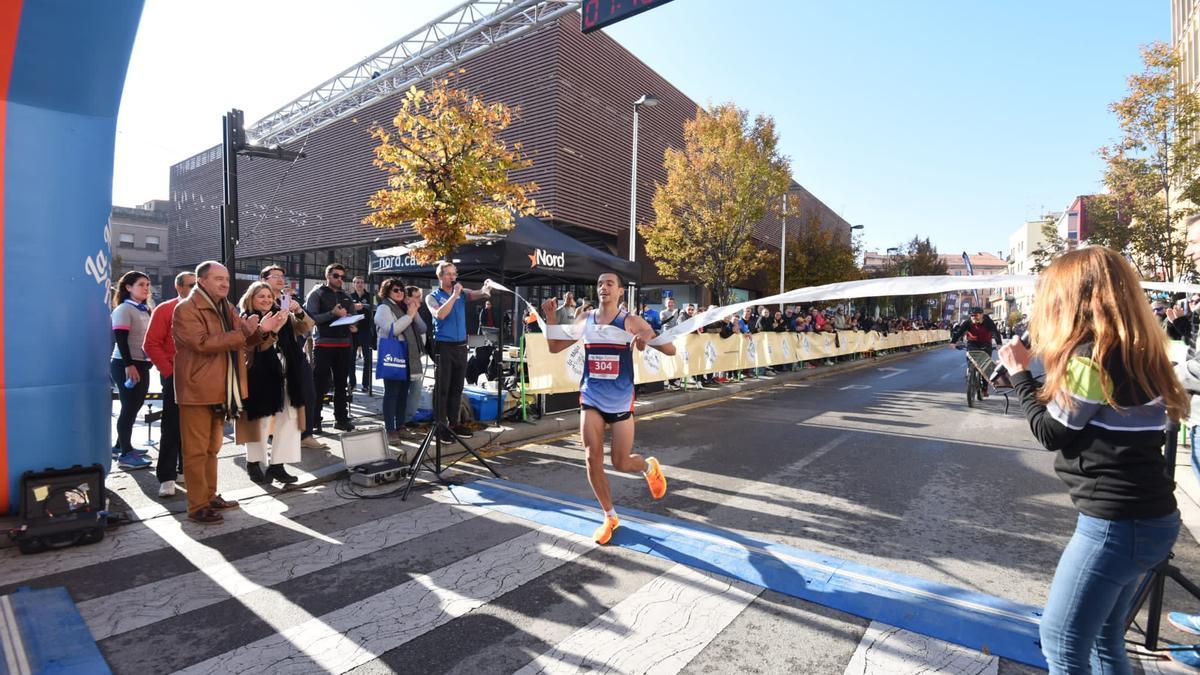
(607, 383)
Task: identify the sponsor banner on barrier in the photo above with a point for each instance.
(699, 354)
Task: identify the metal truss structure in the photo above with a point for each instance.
(441, 45)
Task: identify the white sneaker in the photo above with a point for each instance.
(166, 488)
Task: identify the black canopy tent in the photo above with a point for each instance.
(531, 253)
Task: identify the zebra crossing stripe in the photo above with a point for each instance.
(140, 538)
(964, 617)
(359, 632)
(887, 649)
(110, 615)
(660, 628)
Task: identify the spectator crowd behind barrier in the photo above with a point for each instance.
(722, 348)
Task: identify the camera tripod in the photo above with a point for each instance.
(1151, 588)
(433, 438)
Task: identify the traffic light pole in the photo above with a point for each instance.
(231, 128)
(233, 143)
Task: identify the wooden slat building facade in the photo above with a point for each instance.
(575, 97)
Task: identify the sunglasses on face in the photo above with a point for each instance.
(190, 286)
(337, 276)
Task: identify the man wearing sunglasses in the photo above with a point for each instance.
(333, 346)
(159, 345)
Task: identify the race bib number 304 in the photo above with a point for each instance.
(604, 366)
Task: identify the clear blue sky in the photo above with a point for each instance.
(952, 119)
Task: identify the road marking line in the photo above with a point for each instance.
(156, 601)
(139, 538)
(661, 627)
(895, 372)
(854, 386)
(887, 649)
(358, 633)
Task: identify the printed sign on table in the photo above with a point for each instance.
(710, 355)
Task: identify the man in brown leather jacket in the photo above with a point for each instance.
(210, 380)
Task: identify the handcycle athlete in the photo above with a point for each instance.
(980, 334)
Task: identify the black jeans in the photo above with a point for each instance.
(312, 403)
(131, 400)
(451, 376)
(170, 459)
(366, 374)
(335, 362)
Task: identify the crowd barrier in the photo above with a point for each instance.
(700, 354)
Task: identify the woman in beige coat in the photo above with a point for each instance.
(276, 393)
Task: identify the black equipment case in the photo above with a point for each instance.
(60, 508)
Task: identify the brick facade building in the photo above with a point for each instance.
(575, 97)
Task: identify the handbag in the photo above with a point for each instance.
(391, 363)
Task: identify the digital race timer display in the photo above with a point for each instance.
(600, 13)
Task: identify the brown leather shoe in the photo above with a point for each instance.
(205, 515)
(221, 504)
(395, 437)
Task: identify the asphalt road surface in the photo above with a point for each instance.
(881, 466)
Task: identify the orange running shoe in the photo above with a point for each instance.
(605, 531)
(655, 478)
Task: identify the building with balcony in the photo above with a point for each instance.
(139, 239)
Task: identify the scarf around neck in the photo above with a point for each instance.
(233, 395)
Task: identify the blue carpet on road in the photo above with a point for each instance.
(974, 620)
(42, 632)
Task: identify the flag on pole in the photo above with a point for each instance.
(971, 272)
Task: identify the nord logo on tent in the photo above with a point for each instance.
(394, 262)
(540, 258)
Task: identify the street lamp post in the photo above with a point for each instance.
(783, 248)
(852, 228)
(648, 100)
(894, 253)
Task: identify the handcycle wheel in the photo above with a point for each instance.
(971, 389)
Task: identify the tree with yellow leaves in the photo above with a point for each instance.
(1153, 165)
(727, 178)
(447, 169)
(817, 256)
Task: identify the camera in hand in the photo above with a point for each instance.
(1001, 371)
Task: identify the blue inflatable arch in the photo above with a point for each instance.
(62, 69)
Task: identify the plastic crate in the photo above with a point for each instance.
(484, 403)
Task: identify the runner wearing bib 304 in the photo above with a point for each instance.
(607, 383)
(606, 392)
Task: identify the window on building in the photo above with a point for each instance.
(125, 241)
(151, 243)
